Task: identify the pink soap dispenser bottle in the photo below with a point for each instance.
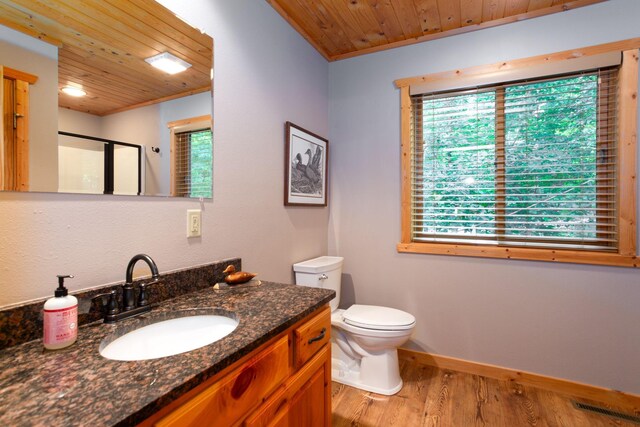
(60, 318)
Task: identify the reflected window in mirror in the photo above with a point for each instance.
(191, 157)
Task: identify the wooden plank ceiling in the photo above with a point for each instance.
(103, 45)
(341, 29)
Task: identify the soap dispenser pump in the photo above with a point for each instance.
(60, 318)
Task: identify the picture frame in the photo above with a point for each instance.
(306, 167)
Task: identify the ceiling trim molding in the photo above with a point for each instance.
(159, 100)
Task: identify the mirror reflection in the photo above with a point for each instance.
(85, 108)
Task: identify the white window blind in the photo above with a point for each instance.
(520, 164)
(193, 163)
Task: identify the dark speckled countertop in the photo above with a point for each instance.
(76, 386)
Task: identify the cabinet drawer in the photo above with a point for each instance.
(227, 401)
(309, 337)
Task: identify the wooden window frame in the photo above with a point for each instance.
(176, 127)
(627, 155)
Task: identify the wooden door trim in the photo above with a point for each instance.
(19, 75)
(21, 82)
(22, 135)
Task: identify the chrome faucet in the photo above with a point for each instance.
(130, 307)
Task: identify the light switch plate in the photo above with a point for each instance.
(194, 223)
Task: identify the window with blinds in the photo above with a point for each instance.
(529, 164)
(193, 163)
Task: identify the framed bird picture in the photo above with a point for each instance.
(305, 168)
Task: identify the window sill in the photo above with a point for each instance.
(552, 255)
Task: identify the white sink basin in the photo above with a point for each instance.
(184, 332)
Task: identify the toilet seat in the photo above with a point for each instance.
(378, 318)
(338, 321)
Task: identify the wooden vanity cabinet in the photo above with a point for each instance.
(285, 382)
(304, 399)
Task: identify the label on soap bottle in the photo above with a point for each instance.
(60, 325)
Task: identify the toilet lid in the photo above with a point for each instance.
(380, 318)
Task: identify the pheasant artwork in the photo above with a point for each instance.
(307, 178)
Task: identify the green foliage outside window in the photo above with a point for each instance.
(201, 161)
(551, 158)
(542, 153)
(459, 169)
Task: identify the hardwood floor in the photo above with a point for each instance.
(435, 397)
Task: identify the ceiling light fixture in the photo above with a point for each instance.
(168, 63)
(74, 91)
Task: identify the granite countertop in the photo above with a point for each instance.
(77, 386)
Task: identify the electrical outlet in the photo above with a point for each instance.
(194, 223)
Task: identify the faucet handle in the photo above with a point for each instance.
(112, 303)
(111, 307)
(142, 296)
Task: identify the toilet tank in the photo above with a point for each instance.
(323, 272)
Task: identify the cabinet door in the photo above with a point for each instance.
(273, 413)
(307, 407)
(226, 401)
(303, 401)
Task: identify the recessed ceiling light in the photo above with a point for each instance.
(74, 91)
(168, 63)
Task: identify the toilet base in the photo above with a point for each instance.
(377, 373)
(353, 381)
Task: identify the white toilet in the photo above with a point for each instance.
(364, 338)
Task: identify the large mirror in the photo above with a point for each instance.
(134, 129)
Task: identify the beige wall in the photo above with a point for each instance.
(43, 109)
(93, 237)
(78, 122)
(563, 320)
